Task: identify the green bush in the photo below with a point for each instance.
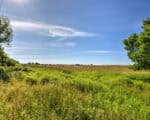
(45, 80)
(140, 85)
(142, 77)
(17, 68)
(135, 67)
(26, 69)
(3, 75)
(11, 62)
(31, 81)
(5, 60)
(67, 71)
(18, 75)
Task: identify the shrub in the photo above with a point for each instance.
(19, 75)
(44, 80)
(140, 85)
(11, 62)
(135, 67)
(17, 68)
(31, 81)
(5, 60)
(67, 71)
(142, 77)
(25, 69)
(3, 75)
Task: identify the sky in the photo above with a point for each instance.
(73, 31)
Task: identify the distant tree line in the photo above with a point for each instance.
(33, 63)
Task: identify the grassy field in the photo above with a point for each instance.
(67, 92)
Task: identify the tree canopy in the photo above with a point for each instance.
(6, 35)
(138, 47)
(5, 30)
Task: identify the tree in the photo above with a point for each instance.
(5, 30)
(6, 35)
(138, 47)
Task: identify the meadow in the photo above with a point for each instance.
(74, 92)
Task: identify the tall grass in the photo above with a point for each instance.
(41, 93)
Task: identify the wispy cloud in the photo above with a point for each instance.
(104, 52)
(49, 30)
(59, 44)
(70, 44)
(21, 48)
(19, 1)
(99, 51)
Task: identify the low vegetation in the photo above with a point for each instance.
(34, 92)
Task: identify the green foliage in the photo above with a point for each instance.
(5, 60)
(138, 47)
(43, 93)
(5, 30)
(6, 35)
(45, 80)
(131, 45)
(31, 81)
(141, 77)
(4, 76)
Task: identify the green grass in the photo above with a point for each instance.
(74, 93)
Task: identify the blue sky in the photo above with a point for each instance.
(73, 31)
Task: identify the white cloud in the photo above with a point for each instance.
(59, 44)
(19, 2)
(49, 30)
(104, 52)
(99, 51)
(70, 44)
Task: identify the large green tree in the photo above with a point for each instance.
(138, 47)
(6, 35)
